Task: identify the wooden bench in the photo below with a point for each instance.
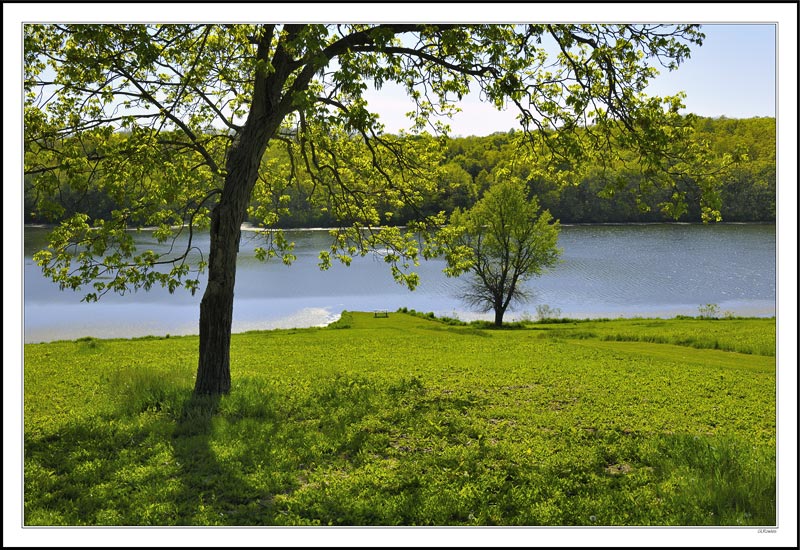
(381, 313)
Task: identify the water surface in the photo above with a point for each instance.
(656, 270)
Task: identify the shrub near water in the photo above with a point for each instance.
(404, 421)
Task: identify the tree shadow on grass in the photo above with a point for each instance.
(267, 454)
(151, 460)
(349, 450)
(357, 450)
(200, 472)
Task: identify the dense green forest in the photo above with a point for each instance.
(468, 168)
(747, 191)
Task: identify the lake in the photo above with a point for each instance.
(651, 270)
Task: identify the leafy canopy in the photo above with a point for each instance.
(149, 114)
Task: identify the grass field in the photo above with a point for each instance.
(407, 420)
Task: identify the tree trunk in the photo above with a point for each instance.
(241, 166)
(216, 307)
(498, 316)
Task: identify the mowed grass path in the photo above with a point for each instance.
(410, 421)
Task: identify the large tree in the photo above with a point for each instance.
(173, 122)
(501, 242)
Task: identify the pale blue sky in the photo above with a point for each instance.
(732, 74)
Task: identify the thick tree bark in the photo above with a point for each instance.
(216, 307)
(499, 311)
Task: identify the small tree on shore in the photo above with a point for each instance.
(500, 243)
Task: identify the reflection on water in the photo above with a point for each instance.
(606, 271)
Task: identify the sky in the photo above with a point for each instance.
(733, 74)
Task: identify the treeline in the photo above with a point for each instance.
(470, 165)
(747, 190)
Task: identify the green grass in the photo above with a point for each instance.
(752, 336)
(409, 421)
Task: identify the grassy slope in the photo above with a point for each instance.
(409, 421)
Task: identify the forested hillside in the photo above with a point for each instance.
(616, 194)
(747, 192)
